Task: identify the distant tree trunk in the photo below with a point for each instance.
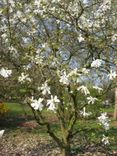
(115, 110)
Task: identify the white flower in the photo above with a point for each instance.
(5, 72)
(45, 88)
(12, 49)
(96, 63)
(28, 66)
(38, 51)
(45, 45)
(105, 140)
(83, 90)
(37, 3)
(85, 71)
(24, 77)
(84, 113)
(4, 36)
(80, 38)
(91, 100)
(55, 1)
(31, 99)
(1, 133)
(38, 59)
(74, 76)
(18, 14)
(64, 79)
(52, 102)
(112, 75)
(71, 91)
(98, 88)
(55, 62)
(103, 119)
(85, 1)
(106, 5)
(73, 73)
(12, 3)
(114, 38)
(37, 104)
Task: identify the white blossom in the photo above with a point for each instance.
(74, 76)
(18, 14)
(52, 102)
(4, 36)
(24, 77)
(55, 1)
(45, 46)
(28, 66)
(106, 5)
(105, 140)
(55, 62)
(114, 38)
(85, 71)
(12, 3)
(38, 59)
(74, 72)
(80, 38)
(83, 90)
(38, 51)
(5, 72)
(64, 79)
(37, 3)
(96, 63)
(84, 113)
(1, 133)
(98, 88)
(91, 100)
(103, 119)
(45, 88)
(37, 104)
(85, 2)
(13, 51)
(112, 75)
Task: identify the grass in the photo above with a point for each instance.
(18, 114)
(108, 109)
(18, 109)
(22, 112)
(15, 117)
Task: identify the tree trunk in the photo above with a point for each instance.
(66, 150)
(115, 110)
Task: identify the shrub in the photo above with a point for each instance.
(3, 109)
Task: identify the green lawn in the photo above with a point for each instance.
(18, 109)
(18, 114)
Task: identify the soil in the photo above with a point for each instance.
(26, 144)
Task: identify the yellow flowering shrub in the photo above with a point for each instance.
(3, 109)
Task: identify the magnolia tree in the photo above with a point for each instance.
(52, 49)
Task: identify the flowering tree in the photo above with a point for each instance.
(54, 48)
